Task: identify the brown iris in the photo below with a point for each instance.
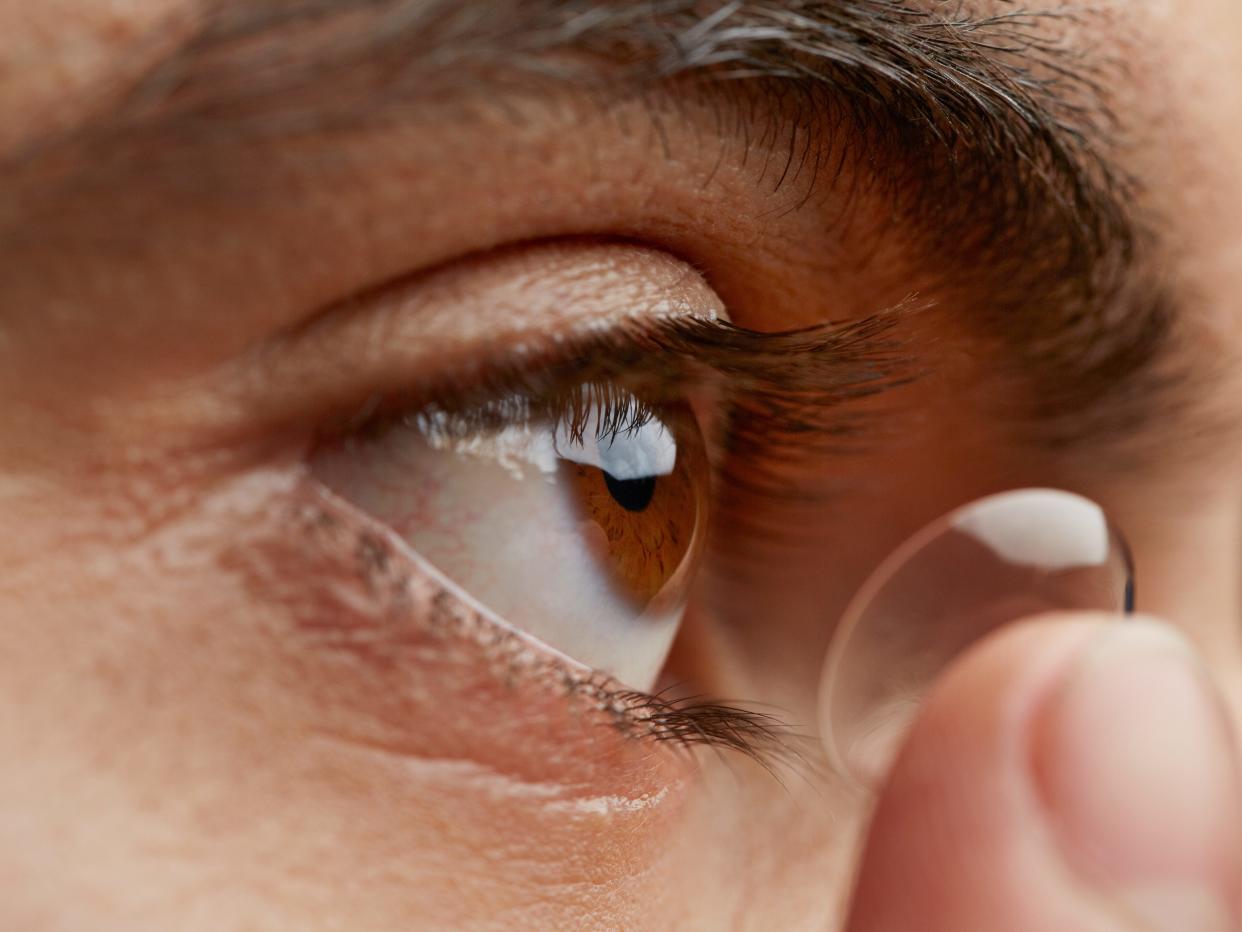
(648, 523)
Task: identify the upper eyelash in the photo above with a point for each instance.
(778, 390)
(616, 411)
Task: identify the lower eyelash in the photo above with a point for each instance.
(397, 587)
(698, 722)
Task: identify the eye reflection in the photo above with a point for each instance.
(578, 519)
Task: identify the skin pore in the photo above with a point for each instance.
(231, 699)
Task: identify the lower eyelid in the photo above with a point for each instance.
(398, 659)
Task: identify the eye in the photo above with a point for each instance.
(578, 518)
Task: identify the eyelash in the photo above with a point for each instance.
(776, 393)
(779, 392)
(616, 411)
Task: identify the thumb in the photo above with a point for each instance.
(1066, 775)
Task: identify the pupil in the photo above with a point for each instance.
(631, 494)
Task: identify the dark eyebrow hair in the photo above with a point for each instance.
(988, 135)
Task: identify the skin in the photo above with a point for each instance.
(191, 742)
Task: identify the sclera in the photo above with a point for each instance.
(984, 565)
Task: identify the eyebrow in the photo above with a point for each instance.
(991, 140)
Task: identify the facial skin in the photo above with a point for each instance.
(231, 699)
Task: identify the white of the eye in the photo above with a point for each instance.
(650, 450)
(510, 448)
(494, 512)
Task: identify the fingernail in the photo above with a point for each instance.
(1134, 763)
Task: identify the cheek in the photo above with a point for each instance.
(256, 694)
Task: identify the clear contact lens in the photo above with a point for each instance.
(988, 563)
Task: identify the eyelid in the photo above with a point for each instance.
(451, 324)
(793, 381)
(635, 311)
(400, 647)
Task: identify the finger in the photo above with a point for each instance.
(1066, 775)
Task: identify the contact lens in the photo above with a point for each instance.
(991, 562)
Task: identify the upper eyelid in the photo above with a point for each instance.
(792, 372)
(582, 310)
(365, 358)
(396, 337)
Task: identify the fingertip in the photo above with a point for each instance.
(1133, 761)
(1016, 770)
(941, 851)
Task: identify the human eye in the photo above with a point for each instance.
(580, 466)
(576, 513)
